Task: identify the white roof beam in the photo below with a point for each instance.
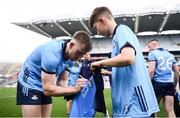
(136, 27)
(60, 27)
(164, 22)
(84, 25)
(37, 28)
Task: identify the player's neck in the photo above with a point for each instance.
(112, 28)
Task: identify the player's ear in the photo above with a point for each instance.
(101, 20)
(71, 44)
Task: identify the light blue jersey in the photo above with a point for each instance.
(83, 102)
(74, 71)
(48, 58)
(132, 91)
(163, 68)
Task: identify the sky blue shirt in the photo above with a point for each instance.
(164, 62)
(83, 104)
(48, 58)
(132, 91)
(74, 71)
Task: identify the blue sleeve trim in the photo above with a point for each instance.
(127, 44)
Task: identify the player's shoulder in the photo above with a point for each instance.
(123, 27)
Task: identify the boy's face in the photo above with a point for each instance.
(101, 27)
(86, 57)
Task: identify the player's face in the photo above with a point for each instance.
(151, 46)
(77, 52)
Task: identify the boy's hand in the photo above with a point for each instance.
(95, 67)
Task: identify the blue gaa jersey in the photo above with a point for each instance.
(164, 61)
(74, 71)
(83, 102)
(48, 58)
(132, 91)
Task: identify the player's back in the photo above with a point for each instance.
(164, 62)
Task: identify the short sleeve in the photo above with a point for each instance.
(125, 37)
(49, 60)
(151, 57)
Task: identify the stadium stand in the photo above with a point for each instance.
(151, 21)
(8, 74)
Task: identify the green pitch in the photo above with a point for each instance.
(8, 107)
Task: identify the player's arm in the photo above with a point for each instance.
(125, 58)
(51, 89)
(176, 76)
(63, 79)
(151, 68)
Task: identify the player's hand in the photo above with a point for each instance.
(80, 83)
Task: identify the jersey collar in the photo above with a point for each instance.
(64, 45)
(114, 32)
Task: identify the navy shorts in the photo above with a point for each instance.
(163, 89)
(27, 96)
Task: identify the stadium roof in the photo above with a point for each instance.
(152, 21)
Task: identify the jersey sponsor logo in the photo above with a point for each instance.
(84, 91)
(86, 88)
(76, 64)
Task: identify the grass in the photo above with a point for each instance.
(8, 107)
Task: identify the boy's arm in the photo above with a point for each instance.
(125, 58)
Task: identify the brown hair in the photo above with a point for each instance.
(152, 41)
(98, 11)
(84, 38)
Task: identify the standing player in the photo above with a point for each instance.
(132, 91)
(37, 79)
(164, 74)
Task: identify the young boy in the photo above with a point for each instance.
(132, 91)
